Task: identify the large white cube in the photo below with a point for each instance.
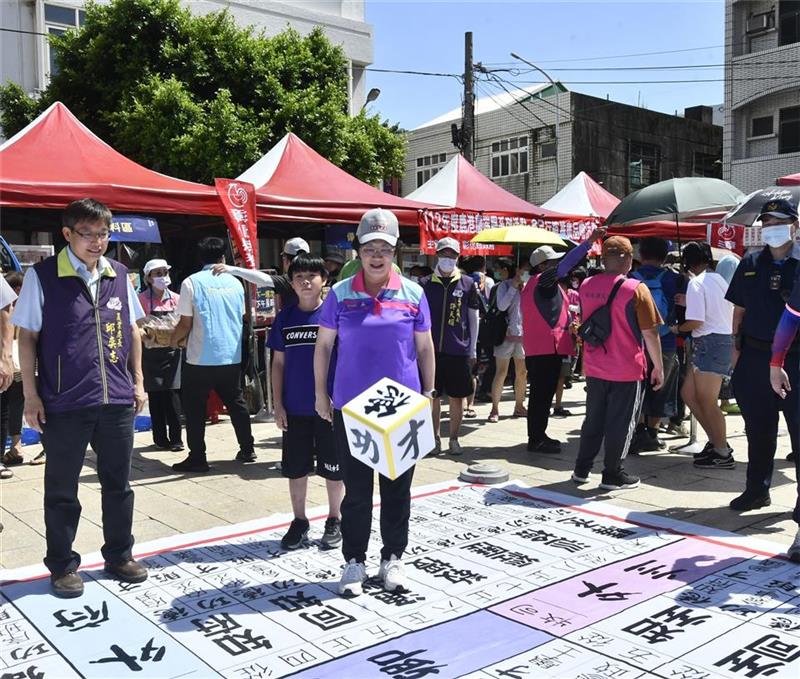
(389, 427)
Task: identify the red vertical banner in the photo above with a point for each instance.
(239, 200)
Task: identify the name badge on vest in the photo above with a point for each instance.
(115, 304)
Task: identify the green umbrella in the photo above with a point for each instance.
(676, 199)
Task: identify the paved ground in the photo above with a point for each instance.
(168, 503)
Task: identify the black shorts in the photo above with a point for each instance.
(307, 438)
(453, 375)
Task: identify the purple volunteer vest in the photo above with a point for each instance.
(448, 300)
(83, 347)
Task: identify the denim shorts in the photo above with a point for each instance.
(712, 354)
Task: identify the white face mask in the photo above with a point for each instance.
(524, 277)
(161, 282)
(414, 278)
(446, 265)
(777, 235)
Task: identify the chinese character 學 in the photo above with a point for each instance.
(388, 402)
(363, 440)
(402, 665)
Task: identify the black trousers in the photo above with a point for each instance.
(543, 374)
(761, 408)
(197, 381)
(109, 430)
(612, 411)
(357, 504)
(12, 404)
(165, 416)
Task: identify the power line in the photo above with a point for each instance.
(616, 56)
(668, 67)
(457, 76)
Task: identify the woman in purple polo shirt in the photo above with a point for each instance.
(382, 323)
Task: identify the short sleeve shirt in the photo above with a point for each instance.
(375, 334)
(294, 332)
(645, 308)
(705, 301)
(7, 294)
(151, 303)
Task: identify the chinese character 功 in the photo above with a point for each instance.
(363, 440)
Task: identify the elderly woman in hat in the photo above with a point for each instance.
(161, 365)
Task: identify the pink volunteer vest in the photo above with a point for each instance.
(539, 337)
(623, 358)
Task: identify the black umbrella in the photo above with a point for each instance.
(750, 207)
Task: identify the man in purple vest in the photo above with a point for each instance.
(77, 316)
(616, 369)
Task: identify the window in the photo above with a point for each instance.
(510, 156)
(706, 165)
(644, 164)
(789, 130)
(788, 22)
(58, 19)
(427, 166)
(761, 127)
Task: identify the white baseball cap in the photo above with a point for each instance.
(543, 254)
(155, 264)
(378, 224)
(444, 243)
(294, 246)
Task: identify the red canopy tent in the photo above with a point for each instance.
(56, 159)
(472, 202)
(789, 180)
(295, 183)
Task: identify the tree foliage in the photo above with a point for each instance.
(198, 96)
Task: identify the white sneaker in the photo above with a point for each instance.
(393, 574)
(352, 580)
(794, 551)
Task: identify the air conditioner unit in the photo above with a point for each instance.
(758, 23)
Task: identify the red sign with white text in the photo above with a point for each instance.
(239, 200)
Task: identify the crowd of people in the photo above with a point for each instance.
(651, 339)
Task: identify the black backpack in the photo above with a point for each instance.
(494, 324)
(596, 329)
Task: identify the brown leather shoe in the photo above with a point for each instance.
(67, 585)
(127, 571)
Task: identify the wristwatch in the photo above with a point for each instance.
(430, 394)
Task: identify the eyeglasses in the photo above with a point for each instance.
(377, 252)
(92, 237)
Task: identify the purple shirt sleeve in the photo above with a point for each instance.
(329, 314)
(275, 334)
(422, 323)
(571, 259)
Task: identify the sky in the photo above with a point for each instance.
(563, 38)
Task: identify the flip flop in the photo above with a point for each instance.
(494, 417)
(5, 472)
(12, 458)
(470, 414)
(39, 459)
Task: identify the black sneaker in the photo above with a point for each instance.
(716, 461)
(191, 465)
(298, 531)
(747, 501)
(176, 447)
(244, 456)
(709, 448)
(561, 412)
(332, 537)
(618, 480)
(579, 477)
(546, 445)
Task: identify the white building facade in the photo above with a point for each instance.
(26, 58)
(762, 92)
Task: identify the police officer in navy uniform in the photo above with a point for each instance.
(759, 290)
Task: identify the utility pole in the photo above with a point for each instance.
(468, 116)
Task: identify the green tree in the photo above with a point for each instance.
(198, 96)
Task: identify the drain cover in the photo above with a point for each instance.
(483, 472)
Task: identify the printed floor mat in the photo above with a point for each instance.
(504, 582)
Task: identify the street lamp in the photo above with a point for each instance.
(372, 95)
(555, 87)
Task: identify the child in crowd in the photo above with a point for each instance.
(307, 438)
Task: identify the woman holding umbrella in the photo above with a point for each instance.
(161, 365)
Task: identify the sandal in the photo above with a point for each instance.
(12, 457)
(5, 472)
(520, 412)
(470, 414)
(494, 417)
(39, 459)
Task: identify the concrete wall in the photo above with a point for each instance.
(761, 77)
(602, 131)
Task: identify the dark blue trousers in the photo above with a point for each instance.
(109, 430)
(761, 408)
